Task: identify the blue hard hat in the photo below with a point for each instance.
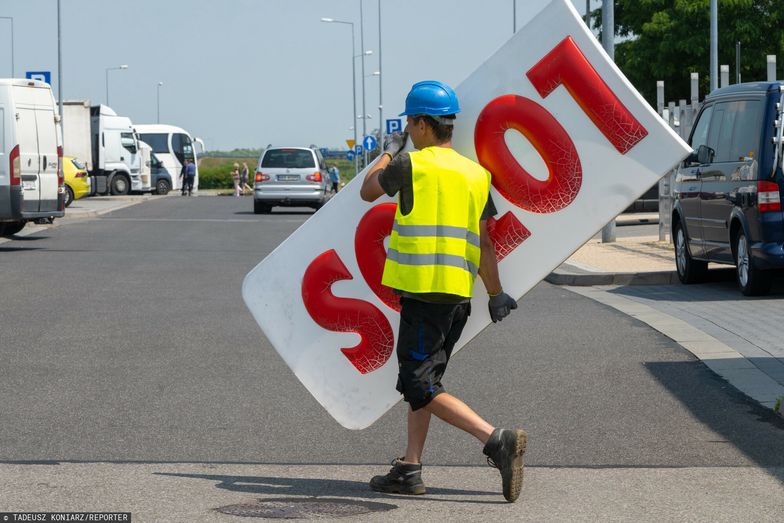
(431, 97)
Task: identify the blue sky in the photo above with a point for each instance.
(245, 73)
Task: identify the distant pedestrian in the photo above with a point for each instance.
(334, 177)
(235, 178)
(189, 178)
(183, 177)
(244, 178)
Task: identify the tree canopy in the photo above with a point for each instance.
(668, 39)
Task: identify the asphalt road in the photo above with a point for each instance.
(125, 339)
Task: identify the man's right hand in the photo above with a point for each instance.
(395, 143)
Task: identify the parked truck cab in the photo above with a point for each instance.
(115, 152)
(31, 180)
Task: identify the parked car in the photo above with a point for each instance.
(77, 183)
(291, 176)
(727, 205)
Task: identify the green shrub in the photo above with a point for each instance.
(215, 173)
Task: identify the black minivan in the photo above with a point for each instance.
(727, 205)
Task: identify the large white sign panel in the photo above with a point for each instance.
(570, 144)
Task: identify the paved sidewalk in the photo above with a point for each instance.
(736, 337)
(627, 261)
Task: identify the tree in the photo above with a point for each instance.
(668, 39)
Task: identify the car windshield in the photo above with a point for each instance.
(289, 159)
(79, 165)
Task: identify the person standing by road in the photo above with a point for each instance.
(334, 177)
(235, 178)
(244, 178)
(439, 244)
(188, 174)
(183, 178)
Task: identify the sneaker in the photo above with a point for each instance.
(403, 478)
(504, 451)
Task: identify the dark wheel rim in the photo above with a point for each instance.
(743, 260)
(68, 197)
(163, 187)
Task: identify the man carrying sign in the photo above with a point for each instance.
(439, 244)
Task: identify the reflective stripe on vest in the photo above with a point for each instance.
(445, 231)
(433, 259)
(435, 248)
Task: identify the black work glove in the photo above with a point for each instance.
(500, 306)
(395, 143)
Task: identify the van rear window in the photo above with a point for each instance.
(288, 158)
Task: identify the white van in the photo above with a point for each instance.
(31, 181)
(172, 145)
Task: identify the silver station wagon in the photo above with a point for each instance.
(290, 177)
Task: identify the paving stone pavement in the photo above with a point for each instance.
(738, 337)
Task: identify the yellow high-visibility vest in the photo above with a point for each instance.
(435, 248)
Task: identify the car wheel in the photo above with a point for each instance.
(162, 187)
(11, 228)
(689, 269)
(68, 196)
(120, 184)
(752, 281)
(261, 208)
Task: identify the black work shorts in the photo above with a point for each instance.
(428, 333)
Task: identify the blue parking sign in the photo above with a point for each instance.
(350, 156)
(394, 125)
(44, 76)
(370, 143)
(358, 148)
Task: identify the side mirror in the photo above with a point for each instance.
(705, 154)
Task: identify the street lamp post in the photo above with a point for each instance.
(714, 45)
(364, 116)
(353, 82)
(60, 62)
(107, 78)
(158, 99)
(380, 80)
(364, 112)
(608, 42)
(12, 41)
(377, 74)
